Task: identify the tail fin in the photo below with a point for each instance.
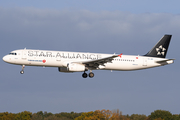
(161, 48)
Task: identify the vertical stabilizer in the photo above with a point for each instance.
(161, 48)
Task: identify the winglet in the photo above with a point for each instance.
(120, 55)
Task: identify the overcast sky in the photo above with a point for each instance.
(116, 26)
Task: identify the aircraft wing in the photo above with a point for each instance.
(94, 64)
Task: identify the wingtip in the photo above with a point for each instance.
(120, 55)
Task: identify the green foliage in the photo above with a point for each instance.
(166, 115)
(40, 113)
(24, 116)
(47, 114)
(7, 116)
(176, 117)
(70, 116)
(38, 116)
(85, 115)
(59, 116)
(92, 115)
(138, 117)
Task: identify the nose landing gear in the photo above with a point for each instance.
(22, 71)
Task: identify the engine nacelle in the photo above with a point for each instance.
(63, 69)
(72, 67)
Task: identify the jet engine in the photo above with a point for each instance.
(72, 67)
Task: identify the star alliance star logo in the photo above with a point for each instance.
(160, 50)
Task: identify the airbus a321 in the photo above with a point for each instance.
(82, 62)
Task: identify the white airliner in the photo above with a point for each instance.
(82, 62)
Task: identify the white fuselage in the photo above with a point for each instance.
(46, 58)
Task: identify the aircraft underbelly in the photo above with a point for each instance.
(130, 66)
(122, 66)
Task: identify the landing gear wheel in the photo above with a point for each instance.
(91, 75)
(84, 75)
(21, 71)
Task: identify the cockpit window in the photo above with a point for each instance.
(12, 53)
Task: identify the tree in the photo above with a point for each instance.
(166, 115)
(96, 115)
(176, 117)
(71, 115)
(36, 116)
(138, 117)
(46, 114)
(7, 116)
(24, 116)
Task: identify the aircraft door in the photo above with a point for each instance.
(144, 62)
(24, 54)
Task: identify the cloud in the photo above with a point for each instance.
(83, 21)
(79, 30)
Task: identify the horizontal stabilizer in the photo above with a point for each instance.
(168, 61)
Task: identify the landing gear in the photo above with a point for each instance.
(85, 75)
(91, 74)
(22, 71)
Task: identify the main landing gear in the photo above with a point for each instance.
(85, 75)
(22, 71)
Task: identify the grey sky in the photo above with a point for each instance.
(95, 29)
(133, 6)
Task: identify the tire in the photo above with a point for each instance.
(84, 75)
(22, 72)
(91, 75)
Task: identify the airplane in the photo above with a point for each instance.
(81, 62)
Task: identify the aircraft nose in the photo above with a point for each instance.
(5, 58)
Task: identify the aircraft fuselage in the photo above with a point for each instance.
(45, 58)
(81, 61)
